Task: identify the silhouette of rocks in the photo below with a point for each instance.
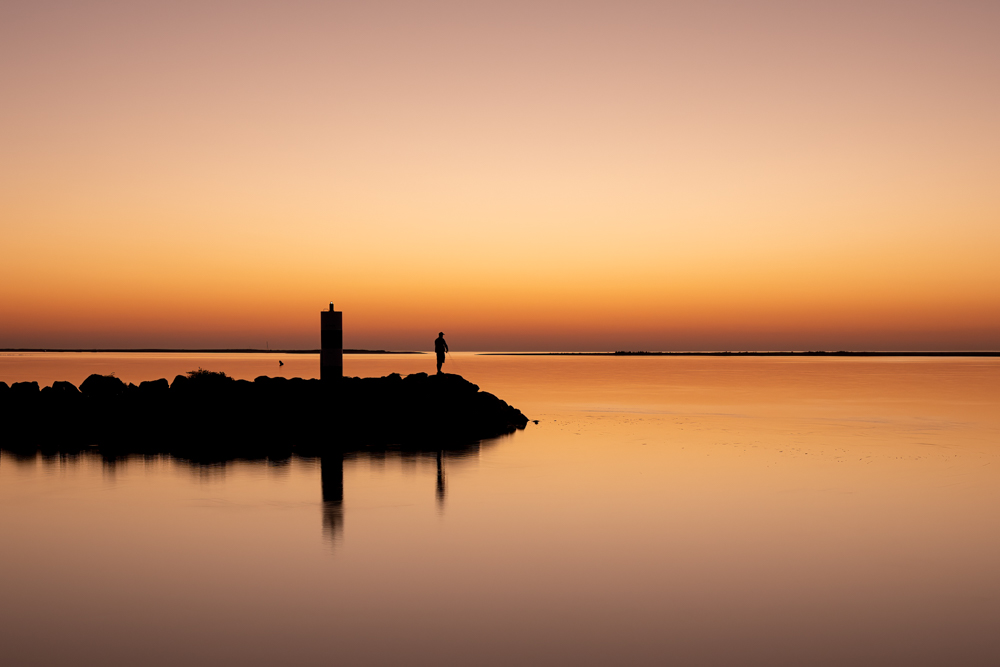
(24, 390)
(64, 389)
(61, 395)
(209, 416)
(154, 387)
(101, 387)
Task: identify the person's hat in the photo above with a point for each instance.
(440, 333)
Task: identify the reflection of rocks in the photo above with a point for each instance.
(209, 416)
(331, 464)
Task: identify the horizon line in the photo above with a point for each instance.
(619, 353)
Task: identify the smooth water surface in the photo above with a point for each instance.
(689, 511)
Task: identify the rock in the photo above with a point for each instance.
(61, 397)
(102, 387)
(24, 389)
(154, 387)
(65, 388)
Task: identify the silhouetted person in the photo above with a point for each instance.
(440, 347)
(280, 362)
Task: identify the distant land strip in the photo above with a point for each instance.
(810, 353)
(203, 351)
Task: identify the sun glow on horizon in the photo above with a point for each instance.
(615, 177)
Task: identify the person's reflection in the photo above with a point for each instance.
(331, 468)
(109, 467)
(440, 480)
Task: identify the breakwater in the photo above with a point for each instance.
(209, 416)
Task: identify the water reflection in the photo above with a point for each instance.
(115, 468)
(332, 482)
(332, 474)
(722, 512)
(110, 467)
(440, 479)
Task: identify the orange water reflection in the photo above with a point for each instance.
(685, 511)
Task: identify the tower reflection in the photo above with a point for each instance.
(332, 481)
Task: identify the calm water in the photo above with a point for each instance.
(663, 511)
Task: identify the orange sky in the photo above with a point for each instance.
(537, 175)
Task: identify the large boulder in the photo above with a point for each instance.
(153, 388)
(102, 387)
(62, 388)
(24, 389)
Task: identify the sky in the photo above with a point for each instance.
(521, 175)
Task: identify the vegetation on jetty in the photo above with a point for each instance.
(206, 415)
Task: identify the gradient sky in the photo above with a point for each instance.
(522, 175)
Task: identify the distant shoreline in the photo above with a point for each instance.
(807, 353)
(818, 353)
(203, 351)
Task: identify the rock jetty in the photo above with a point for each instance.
(206, 415)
